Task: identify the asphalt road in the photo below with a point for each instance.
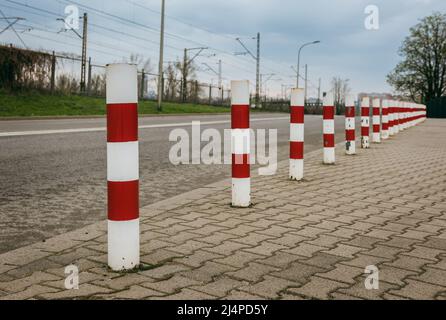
(53, 172)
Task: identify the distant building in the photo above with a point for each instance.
(312, 100)
(375, 95)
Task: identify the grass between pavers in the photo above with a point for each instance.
(32, 104)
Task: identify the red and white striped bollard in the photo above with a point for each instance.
(297, 111)
(385, 120)
(122, 166)
(365, 123)
(391, 118)
(376, 137)
(329, 129)
(241, 175)
(397, 122)
(350, 126)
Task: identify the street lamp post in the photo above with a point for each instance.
(160, 69)
(298, 58)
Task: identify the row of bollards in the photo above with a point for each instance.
(123, 151)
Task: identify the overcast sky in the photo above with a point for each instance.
(347, 48)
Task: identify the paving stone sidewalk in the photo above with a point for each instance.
(312, 240)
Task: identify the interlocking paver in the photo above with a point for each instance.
(359, 290)
(253, 272)
(433, 276)
(198, 258)
(269, 288)
(317, 288)
(418, 290)
(305, 249)
(171, 285)
(266, 248)
(362, 242)
(344, 250)
(220, 287)
(239, 259)
(298, 272)
(424, 253)
(342, 273)
(207, 271)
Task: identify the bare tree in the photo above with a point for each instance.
(422, 73)
(187, 72)
(341, 89)
(172, 85)
(143, 65)
(141, 62)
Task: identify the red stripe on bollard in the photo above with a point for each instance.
(123, 200)
(329, 112)
(297, 114)
(350, 135)
(329, 140)
(349, 112)
(296, 150)
(240, 166)
(122, 122)
(240, 117)
(365, 131)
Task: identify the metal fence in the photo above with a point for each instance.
(22, 69)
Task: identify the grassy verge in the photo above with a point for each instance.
(36, 104)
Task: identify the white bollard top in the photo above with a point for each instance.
(365, 102)
(350, 100)
(121, 83)
(240, 92)
(297, 97)
(329, 100)
(376, 103)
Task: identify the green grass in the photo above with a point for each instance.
(31, 104)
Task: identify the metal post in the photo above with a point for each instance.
(89, 77)
(160, 69)
(220, 78)
(141, 88)
(196, 91)
(210, 94)
(222, 95)
(53, 72)
(258, 71)
(298, 67)
(306, 83)
(298, 59)
(84, 53)
(181, 90)
(184, 83)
